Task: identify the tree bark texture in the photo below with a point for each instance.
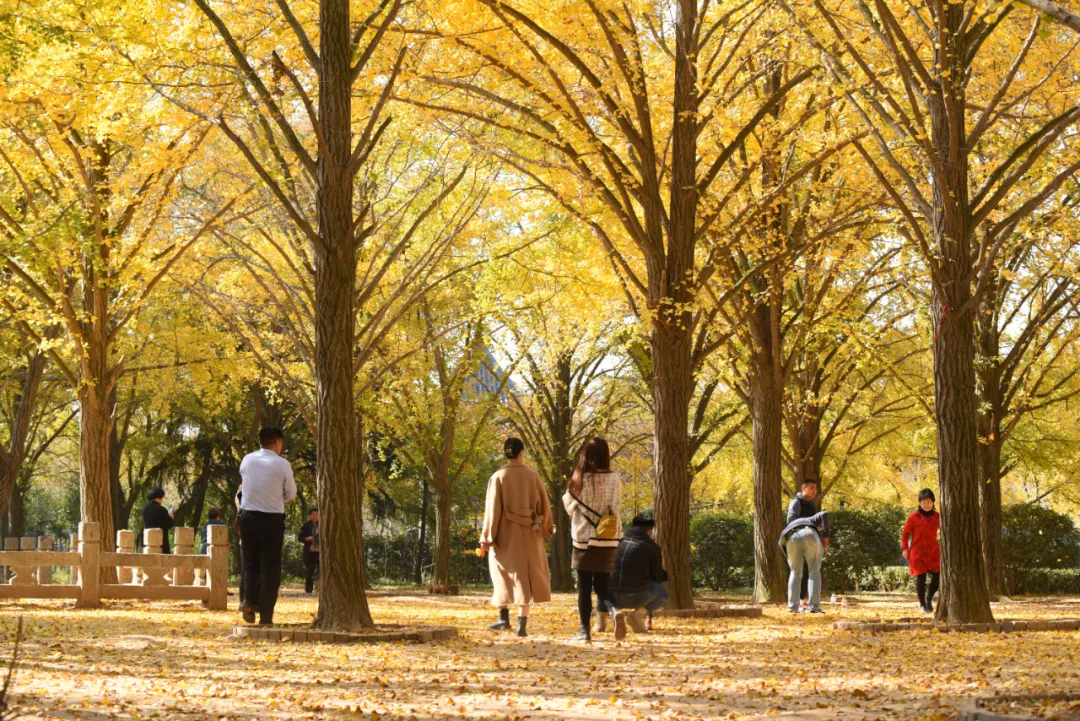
(965, 598)
(672, 328)
(991, 441)
(672, 391)
(444, 503)
(766, 409)
(421, 541)
(342, 603)
(95, 491)
(13, 455)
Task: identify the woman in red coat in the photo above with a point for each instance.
(919, 540)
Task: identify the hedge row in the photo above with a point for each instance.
(1042, 551)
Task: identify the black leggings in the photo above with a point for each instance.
(587, 581)
(926, 598)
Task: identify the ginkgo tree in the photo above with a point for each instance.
(94, 214)
(628, 140)
(968, 116)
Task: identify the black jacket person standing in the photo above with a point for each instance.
(309, 536)
(155, 515)
(266, 483)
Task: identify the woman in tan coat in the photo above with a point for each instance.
(517, 522)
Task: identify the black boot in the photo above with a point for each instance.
(523, 621)
(504, 621)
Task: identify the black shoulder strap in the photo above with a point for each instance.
(580, 503)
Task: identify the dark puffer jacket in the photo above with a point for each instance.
(638, 562)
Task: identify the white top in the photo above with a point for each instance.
(266, 480)
(601, 492)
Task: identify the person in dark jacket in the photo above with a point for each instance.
(806, 541)
(213, 518)
(636, 581)
(155, 515)
(309, 536)
(803, 506)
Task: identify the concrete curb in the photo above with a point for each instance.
(306, 635)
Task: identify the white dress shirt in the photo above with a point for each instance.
(266, 481)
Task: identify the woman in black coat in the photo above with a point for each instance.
(156, 515)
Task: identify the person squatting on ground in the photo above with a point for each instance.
(517, 522)
(309, 536)
(155, 515)
(919, 542)
(266, 483)
(805, 539)
(636, 581)
(593, 500)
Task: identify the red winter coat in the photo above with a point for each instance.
(919, 538)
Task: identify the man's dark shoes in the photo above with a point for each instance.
(523, 621)
(248, 612)
(817, 610)
(504, 621)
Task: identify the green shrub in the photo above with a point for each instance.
(1047, 581)
(887, 579)
(861, 541)
(1036, 540)
(722, 547)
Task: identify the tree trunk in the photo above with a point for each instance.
(990, 515)
(421, 544)
(16, 512)
(990, 411)
(444, 501)
(95, 491)
(672, 390)
(562, 576)
(342, 603)
(12, 457)
(964, 590)
(766, 403)
(116, 457)
(965, 598)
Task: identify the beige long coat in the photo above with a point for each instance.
(517, 521)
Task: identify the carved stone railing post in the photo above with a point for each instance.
(74, 570)
(25, 575)
(89, 566)
(184, 540)
(125, 543)
(218, 547)
(44, 573)
(153, 575)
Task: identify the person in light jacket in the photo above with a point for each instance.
(517, 522)
(593, 492)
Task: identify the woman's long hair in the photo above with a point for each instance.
(595, 458)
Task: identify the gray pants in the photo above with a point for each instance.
(804, 545)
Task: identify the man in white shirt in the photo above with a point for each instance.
(266, 483)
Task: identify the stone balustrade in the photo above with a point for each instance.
(149, 575)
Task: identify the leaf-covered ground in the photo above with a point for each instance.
(176, 661)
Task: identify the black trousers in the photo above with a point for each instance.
(587, 582)
(926, 596)
(262, 536)
(311, 568)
